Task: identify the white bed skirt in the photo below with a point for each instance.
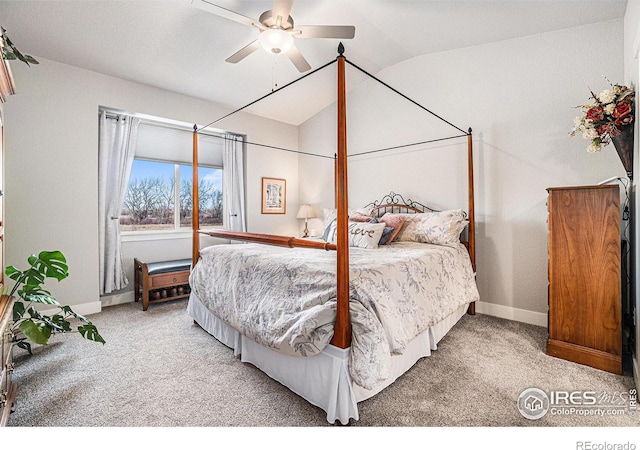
(323, 380)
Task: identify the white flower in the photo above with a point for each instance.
(590, 133)
(594, 148)
(609, 108)
(578, 121)
(607, 96)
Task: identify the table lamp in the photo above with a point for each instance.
(305, 212)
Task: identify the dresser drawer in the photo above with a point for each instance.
(169, 279)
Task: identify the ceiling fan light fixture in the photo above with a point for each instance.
(276, 40)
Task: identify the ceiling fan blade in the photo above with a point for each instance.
(282, 8)
(326, 31)
(210, 7)
(297, 59)
(243, 52)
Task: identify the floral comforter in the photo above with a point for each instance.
(285, 299)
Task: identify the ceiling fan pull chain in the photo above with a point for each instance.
(274, 80)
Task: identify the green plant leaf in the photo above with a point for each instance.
(50, 264)
(35, 289)
(68, 310)
(23, 344)
(8, 55)
(38, 327)
(18, 311)
(10, 270)
(90, 332)
(14, 50)
(36, 332)
(31, 276)
(55, 328)
(61, 322)
(34, 313)
(41, 298)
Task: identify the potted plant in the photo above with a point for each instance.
(30, 325)
(10, 52)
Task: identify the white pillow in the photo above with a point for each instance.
(443, 227)
(361, 234)
(331, 213)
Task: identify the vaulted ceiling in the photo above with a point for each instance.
(172, 45)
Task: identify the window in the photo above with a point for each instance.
(160, 196)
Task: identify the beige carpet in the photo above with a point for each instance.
(159, 369)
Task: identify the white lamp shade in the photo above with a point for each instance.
(275, 40)
(305, 212)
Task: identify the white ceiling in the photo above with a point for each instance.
(172, 45)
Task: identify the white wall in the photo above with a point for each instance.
(631, 71)
(518, 96)
(51, 158)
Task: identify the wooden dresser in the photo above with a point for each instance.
(585, 324)
(7, 386)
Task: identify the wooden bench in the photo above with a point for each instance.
(161, 281)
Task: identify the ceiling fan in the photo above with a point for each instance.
(277, 31)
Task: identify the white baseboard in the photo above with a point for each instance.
(508, 312)
(84, 309)
(117, 299)
(490, 309)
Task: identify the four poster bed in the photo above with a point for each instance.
(336, 320)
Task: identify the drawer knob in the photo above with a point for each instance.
(175, 280)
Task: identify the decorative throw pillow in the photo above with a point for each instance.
(395, 221)
(361, 234)
(327, 230)
(386, 233)
(357, 217)
(441, 228)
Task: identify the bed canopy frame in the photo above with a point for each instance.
(342, 327)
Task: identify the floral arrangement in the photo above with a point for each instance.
(604, 118)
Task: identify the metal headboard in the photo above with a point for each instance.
(395, 203)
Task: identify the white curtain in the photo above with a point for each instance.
(116, 150)
(233, 183)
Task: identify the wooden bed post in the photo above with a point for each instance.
(472, 214)
(335, 181)
(342, 329)
(195, 206)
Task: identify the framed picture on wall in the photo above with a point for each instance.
(274, 196)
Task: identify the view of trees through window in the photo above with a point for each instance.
(160, 197)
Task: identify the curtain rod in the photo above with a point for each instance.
(155, 120)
